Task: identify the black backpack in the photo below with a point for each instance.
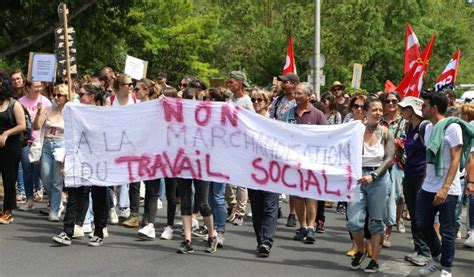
(25, 136)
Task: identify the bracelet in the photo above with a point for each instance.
(374, 175)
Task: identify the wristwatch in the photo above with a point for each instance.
(374, 175)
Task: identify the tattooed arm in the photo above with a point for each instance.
(389, 150)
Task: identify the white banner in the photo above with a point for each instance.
(212, 141)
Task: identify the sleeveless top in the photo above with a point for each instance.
(373, 155)
(5, 123)
(53, 130)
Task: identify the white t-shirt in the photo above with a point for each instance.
(244, 102)
(433, 183)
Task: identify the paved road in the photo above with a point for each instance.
(26, 250)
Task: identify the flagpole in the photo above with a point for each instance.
(317, 50)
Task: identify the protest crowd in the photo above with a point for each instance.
(416, 165)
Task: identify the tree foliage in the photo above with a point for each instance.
(209, 38)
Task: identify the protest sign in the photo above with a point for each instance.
(135, 68)
(210, 141)
(356, 76)
(42, 67)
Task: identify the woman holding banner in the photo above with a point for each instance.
(78, 197)
(377, 154)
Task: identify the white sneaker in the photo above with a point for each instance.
(167, 233)
(27, 206)
(53, 217)
(195, 224)
(401, 227)
(124, 213)
(159, 205)
(431, 267)
(469, 242)
(113, 217)
(445, 273)
(61, 209)
(87, 228)
(147, 232)
(78, 232)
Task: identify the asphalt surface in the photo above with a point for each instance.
(26, 249)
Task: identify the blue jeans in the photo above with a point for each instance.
(53, 181)
(123, 200)
(90, 213)
(459, 205)
(371, 198)
(31, 172)
(21, 185)
(395, 192)
(425, 213)
(217, 202)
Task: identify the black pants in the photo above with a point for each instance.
(10, 156)
(411, 187)
(134, 196)
(170, 184)
(83, 206)
(100, 207)
(320, 213)
(201, 189)
(264, 207)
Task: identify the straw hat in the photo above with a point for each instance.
(335, 85)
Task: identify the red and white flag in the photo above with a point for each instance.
(413, 81)
(448, 77)
(290, 65)
(412, 49)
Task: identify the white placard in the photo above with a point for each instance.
(210, 141)
(42, 67)
(135, 67)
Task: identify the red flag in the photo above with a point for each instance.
(389, 86)
(290, 65)
(448, 77)
(413, 81)
(412, 49)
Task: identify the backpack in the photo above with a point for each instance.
(25, 136)
(277, 103)
(112, 99)
(421, 131)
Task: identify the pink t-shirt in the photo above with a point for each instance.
(32, 108)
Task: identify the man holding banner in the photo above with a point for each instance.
(305, 113)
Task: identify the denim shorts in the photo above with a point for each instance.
(370, 198)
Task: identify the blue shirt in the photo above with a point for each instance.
(415, 164)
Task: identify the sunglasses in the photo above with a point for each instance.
(356, 106)
(57, 95)
(129, 85)
(394, 101)
(183, 85)
(258, 100)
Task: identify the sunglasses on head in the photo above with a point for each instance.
(258, 100)
(393, 101)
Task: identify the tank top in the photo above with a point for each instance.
(54, 130)
(5, 123)
(373, 155)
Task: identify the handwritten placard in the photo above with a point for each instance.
(42, 67)
(210, 141)
(135, 67)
